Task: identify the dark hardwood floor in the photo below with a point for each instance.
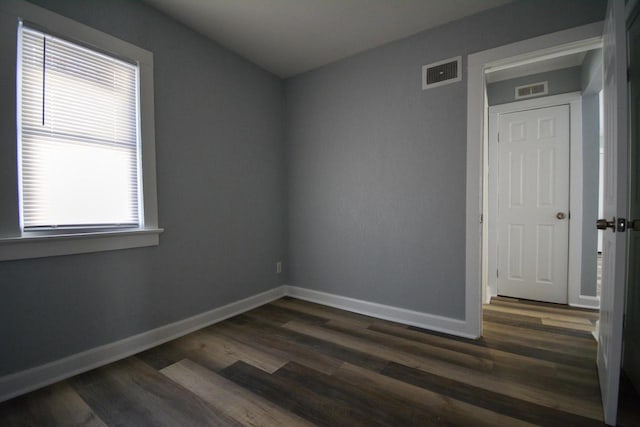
(292, 363)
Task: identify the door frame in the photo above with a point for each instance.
(555, 44)
(574, 263)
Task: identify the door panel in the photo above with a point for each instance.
(515, 250)
(516, 180)
(533, 187)
(544, 244)
(615, 206)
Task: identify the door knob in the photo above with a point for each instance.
(561, 215)
(603, 224)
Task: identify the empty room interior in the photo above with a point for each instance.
(319, 212)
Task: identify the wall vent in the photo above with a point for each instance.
(442, 73)
(531, 90)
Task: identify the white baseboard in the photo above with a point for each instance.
(31, 379)
(585, 301)
(432, 322)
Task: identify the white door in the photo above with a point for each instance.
(533, 204)
(615, 206)
(631, 336)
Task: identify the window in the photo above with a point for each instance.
(77, 147)
(78, 139)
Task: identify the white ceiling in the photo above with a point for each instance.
(288, 37)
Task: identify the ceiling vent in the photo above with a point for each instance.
(442, 73)
(531, 90)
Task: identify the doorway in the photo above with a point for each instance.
(613, 41)
(541, 180)
(532, 50)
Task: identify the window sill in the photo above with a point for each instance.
(23, 247)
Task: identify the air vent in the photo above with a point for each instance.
(531, 90)
(442, 73)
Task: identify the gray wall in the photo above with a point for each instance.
(219, 142)
(376, 166)
(591, 73)
(371, 182)
(560, 81)
(591, 85)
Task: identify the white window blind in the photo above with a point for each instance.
(79, 144)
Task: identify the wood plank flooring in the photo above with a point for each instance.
(294, 363)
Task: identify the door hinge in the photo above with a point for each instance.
(497, 273)
(628, 74)
(498, 137)
(481, 218)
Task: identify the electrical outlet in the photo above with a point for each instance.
(278, 267)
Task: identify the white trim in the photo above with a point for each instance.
(574, 100)
(13, 248)
(492, 207)
(586, 301)
(477, 63)
(25, 381)
(432, 322)
(547, 53)
(596, 332)
(18, 245)
(40, 376)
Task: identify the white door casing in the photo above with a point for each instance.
(533, 204)
(584, 37)
(615, 205)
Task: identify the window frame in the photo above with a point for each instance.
(16, 243)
